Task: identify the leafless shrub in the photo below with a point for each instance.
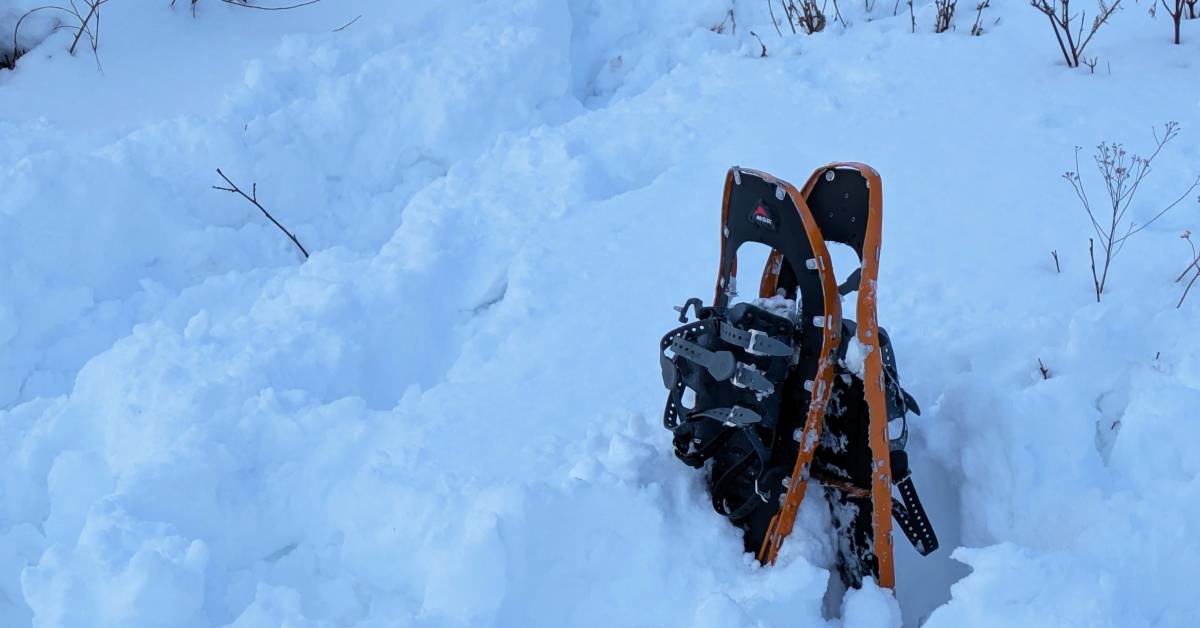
(1193, 13)
(1175, 10)
(814, 16)
(977, 28)
(1192, 267)
(945, 14)
(1045, 371)
(1057, 266)
(912, 16)
(1072, 44)
(808, 15)
(1123, 173)
(253, 198)
(83, 24)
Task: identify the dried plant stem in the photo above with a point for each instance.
(253, 198)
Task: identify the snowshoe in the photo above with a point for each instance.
(777, 399)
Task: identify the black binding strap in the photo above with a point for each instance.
(754, 342)
(910, 514)
(735, 416)
(722, 366)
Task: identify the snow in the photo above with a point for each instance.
(450, 414)
(856, 356)
(777, 304)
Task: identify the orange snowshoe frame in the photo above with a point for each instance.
(819, 226)
(777, 399)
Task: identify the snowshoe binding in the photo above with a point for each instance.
(778, 397)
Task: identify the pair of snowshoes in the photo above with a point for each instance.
(781, 392)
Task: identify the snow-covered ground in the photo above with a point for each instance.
(449, 414)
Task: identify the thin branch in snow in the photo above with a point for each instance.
(246, 5)
(760, 43)
(351, 22)
(253, 198)
(1194, 264)
(977, 29)
(773, 20)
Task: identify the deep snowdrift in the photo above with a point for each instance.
(449, 414)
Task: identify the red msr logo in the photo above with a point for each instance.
(762, 217)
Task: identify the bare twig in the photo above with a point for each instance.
(247, 5)
(253, 198)
(1194, 264)
(1054, 254)
(16, 51)
(761, 44)
(773, 20)
(1187, 237)
(1187, 289)
(837, 15)
(1045, 371)
(348, 24)
(1097, 282)
(977, 29)
(93, 7)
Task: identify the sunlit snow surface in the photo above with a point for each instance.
(450, 414)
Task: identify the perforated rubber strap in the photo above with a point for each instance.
(754, 342)
(722, 366)
(908, 511)
(735, 416)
